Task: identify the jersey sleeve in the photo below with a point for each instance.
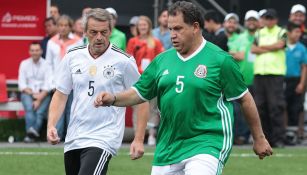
(131, 73)
(63, 76)
(232, 82)
(146, 87)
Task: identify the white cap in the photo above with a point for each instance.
(251, 14)
(133, 20)
(298, 8)
(262, 12)
(112, 11)
(231, 15)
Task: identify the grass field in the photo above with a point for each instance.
(49, 161)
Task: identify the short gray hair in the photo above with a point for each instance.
(97, 14)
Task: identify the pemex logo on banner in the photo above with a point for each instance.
(18, 21)
(7, 17)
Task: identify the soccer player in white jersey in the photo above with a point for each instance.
(94, 134)
(194, 83)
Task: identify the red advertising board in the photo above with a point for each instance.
(21, 22)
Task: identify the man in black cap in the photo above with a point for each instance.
(269, 70)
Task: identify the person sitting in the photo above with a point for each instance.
(34, 85)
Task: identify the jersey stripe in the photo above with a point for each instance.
(116, 49)
(227, 131)
(76, 48)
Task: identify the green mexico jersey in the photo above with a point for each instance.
(194, 97)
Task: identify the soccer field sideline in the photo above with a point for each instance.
(40, 153)
(37, 159)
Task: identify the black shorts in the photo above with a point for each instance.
(87, 161)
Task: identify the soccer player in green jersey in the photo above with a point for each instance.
(194, 83)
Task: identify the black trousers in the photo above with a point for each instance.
(294, 101)
(270, 101)
(87, 161)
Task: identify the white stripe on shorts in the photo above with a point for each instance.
(103, 159)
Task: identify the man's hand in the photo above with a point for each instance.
(104, 99)
(52, 136)
(28, 91)
(262, 148)
(299, 88)
(38, 96)
(36, 104)
(136, 149)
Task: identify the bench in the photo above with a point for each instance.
(6, 104)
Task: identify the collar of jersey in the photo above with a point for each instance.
(104, 53)
(193, 54)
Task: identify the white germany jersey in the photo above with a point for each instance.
(114, 71)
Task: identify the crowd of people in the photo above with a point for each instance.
(272, 60)
(87, 63)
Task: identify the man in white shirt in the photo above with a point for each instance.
(57, 47)
(94, 134)
(34, 84)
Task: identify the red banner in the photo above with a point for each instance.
(21, 22)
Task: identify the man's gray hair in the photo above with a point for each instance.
(97, 14)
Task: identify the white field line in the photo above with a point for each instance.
(243, 155)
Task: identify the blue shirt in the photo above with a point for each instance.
(295, 57)
(164, 38)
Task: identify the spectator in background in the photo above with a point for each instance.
(132, 26)
(57, 47)
(144, 48)
(298, 16)
(78, 28)
(117, 37)
(59, 44)
(296, 59)
(214, 31)
(84, 40)
(241, 53)
(55, 12)
(269, 70)
(51, 30)
(231, 23)
(34, 85)
(262, 18)
(162, 32)
(242, 49)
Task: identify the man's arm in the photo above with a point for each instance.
(129, 98)
(38, 98)
(56, 109)
(239, 56)
(261, 146)
(258, 50)
(300, 88)
(125, 98)
(137, 145)
(276, 46)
